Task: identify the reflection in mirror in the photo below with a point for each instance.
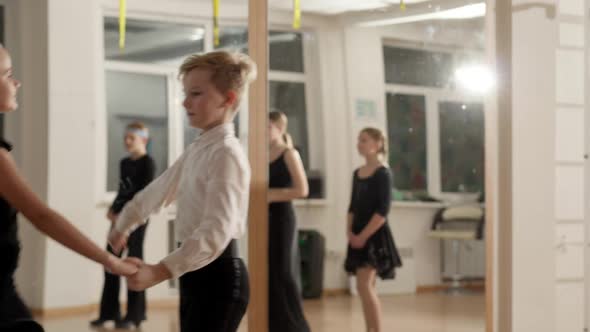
(385, 109)
(375, 158)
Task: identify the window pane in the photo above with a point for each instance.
(289, 97)
(136, 97)
(286, 48)
(461, 147)
(286, 51)
(406, 129)
(233, 39)
(152, 42)
(417, 67)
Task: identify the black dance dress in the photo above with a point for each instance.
(12, 308)
(369, 196)
(285, 308)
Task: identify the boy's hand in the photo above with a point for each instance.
(111, 216)
(117, 240)
(117, 266)
(147, 276)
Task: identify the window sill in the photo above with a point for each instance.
(313, 202)
(417, 205)
(428, 205)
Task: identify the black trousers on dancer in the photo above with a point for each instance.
(284, 290)
(215, 298)
(110, 308)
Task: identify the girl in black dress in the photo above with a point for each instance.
(371, 249)
(16, 195)
(136, 172)
(287, 181)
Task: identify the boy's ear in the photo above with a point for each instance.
(231, 98)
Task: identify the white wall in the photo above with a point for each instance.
(72, 108)
(571, 179)
(27, 127)
(533, 91)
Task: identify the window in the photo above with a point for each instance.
(286, 51)
(289, 97)
(234, 39)
(414, 67)
(436, 132)
(286, 48)
(140, 81)
(461, 146)
(406, 131)
(288, 91)
(152, 42)
(136, 97)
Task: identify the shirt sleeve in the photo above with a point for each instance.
(225, 204)
(160, 192)
(384, 187)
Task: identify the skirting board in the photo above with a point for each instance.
(90, 308)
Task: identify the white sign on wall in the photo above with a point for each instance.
(365, 109)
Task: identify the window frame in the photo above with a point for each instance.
(433, 96)
(174, 116)
(311, 81)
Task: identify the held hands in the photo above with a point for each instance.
(147, 275)
(139, 275)
(118, 266)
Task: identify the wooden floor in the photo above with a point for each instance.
(407, 313)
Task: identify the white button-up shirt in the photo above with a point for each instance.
(210, 183)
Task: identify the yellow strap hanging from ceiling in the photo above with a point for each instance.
(122, 22)
(402, 5)
(216, 22)
(296, 14)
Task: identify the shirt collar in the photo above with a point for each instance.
(216, 133)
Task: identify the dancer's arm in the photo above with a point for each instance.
(17, 192)
(160, 192)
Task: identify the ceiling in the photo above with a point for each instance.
(331, 7)
(327, 7)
